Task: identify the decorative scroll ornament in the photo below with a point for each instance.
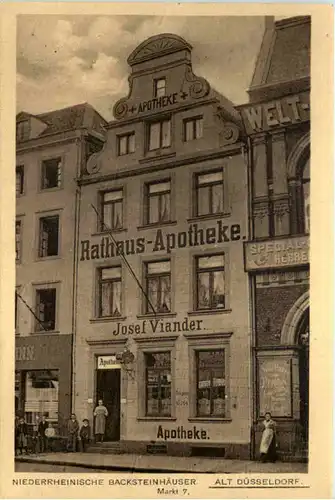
(93, 164)
(199, 87)
(281, 209)
(261, 211)
(120, 109)
(126, 359)
(229, 134)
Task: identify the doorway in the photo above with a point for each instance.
(109, 390)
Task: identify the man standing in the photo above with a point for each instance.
(42, 426)
(72, 433)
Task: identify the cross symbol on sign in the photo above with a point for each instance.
(183, 95)
(132, 109)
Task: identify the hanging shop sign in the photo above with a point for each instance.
(108, 362)
(167, 242)
(277, 113)
(270, 254)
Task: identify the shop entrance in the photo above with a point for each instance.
(109, 390)
(303, 341)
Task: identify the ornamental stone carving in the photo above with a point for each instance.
(199, 87)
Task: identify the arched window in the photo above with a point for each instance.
(305, 185)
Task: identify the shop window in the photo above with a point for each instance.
(112, 210)
(193, 128)
(306, 196)
(211, 383)
(49, 234)
(41, 393)
(22, 131)
(159, 87)
(158, 202)
(45, 309)
(17, 390)
(126, 144)
(210, 282)
(51, 173)
(209, 193)
(158, 384)
(110, 293)
(19, 180)
(18, 240)
(158, 286)
(159, 135)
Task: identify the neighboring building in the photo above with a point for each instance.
(277, 258)
(50, 150)
(171, 184)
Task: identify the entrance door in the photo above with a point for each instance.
(109, 390)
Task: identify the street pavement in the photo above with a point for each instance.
(158, 463)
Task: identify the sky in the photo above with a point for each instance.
(67, 60)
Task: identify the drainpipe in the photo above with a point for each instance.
(80, 145)
(252, 304)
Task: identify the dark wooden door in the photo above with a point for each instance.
(109, 390)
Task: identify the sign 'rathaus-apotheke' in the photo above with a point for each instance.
(166, 242)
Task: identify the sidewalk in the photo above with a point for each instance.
(150, 463)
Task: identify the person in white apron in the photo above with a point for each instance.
(268, 441)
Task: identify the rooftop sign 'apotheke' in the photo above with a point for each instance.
(277, 113)
(158, 103)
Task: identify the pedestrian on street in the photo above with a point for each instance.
(85, 435)
(268, 442)
(49, 435)
(72, 433)
(35, 440)
(22, 436)
(100, 414)
(42, 426)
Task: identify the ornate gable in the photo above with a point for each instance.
(158, 46)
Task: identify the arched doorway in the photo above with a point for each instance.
(303, 343)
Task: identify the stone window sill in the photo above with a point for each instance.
(157, 225)
(209, 419)
(157, 315)
(108, 319)
(156, 419)
(209, 311)
(198, 218)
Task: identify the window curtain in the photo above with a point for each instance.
(217, 198)
(165, 207)
(165, 304)
(203, 291)
(218, 289)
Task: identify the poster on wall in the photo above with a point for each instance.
(274, 378)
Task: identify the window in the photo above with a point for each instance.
(159, 87)
(18, 227)
(159, 135)
(126, 144)
(22, 131)
(159, 202)
(193, 129)
(158, 286)
(112, 210)
(51, 173)
(45, 309)
(49, 228)
(158, 384)
(209, 193)
(210, 282)
(41, 395)
(110, 291)
(19, 180)
(306, 196)
(211, 383)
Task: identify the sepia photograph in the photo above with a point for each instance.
(162, 249)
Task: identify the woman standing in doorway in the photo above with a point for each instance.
(100, 414)
(268, 442)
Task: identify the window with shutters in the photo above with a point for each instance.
(51, 173)
(45, 310)
(49, 236)
(111, 210)
(158, 384)
(110, 291)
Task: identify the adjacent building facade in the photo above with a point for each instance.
(50, 150)
(163, 334)
(277, 257)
